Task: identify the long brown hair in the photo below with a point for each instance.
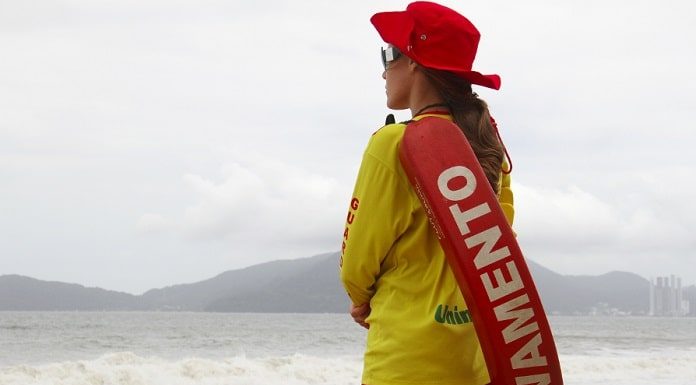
(471, 115)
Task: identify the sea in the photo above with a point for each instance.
(176, 348)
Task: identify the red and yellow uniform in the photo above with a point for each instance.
(420, 329)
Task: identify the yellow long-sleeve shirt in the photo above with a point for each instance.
(420, 329)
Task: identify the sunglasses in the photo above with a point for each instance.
(389, 54)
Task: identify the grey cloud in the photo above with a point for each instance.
(107, 107)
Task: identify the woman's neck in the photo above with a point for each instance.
(424, 97)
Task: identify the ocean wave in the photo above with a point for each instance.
(15, 327)
(663, 367)
(130, 369)
(648, 367)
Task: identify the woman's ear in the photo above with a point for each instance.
(412, 65)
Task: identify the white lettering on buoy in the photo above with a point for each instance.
(515, 330)
(464, 217)
(500, 282)
(537, 379)
(486, 255)
(528, 356)
(503, 287)
(451, 173)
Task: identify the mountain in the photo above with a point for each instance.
(24, 293)
(315, 287)
(567, 294)
(279, 286)
(303, 285)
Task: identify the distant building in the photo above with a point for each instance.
(690, 295)
(667, 297)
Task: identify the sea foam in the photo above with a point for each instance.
(620, 367)
(664, 367)
(129, 369)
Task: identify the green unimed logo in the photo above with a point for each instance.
(452, 317)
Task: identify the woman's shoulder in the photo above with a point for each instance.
(386, 138)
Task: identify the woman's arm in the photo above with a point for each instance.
(380, 211)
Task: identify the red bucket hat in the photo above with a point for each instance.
(435, 37)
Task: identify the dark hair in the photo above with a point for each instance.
(471, 115)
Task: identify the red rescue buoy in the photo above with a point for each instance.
(487, 262)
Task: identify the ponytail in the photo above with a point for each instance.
(471, 115)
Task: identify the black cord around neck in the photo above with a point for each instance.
(430, 106)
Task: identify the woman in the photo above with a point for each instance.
(393, 268)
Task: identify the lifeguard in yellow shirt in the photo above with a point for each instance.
(392, 265)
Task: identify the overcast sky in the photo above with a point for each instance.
(149, 143)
